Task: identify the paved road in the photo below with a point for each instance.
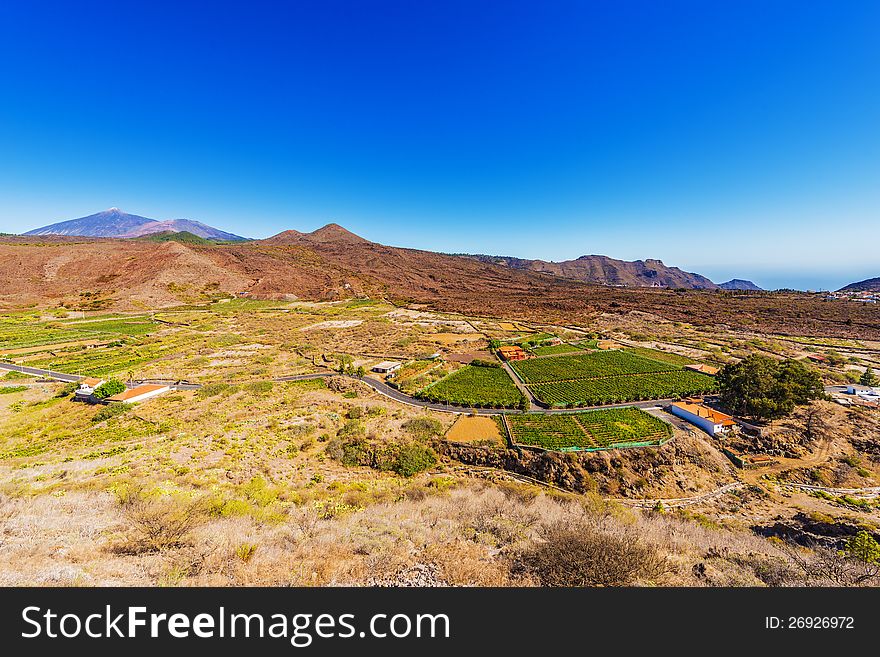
(73, 378)
(69, 378)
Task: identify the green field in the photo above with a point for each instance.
(21, 333)
(620, 389)
(480, 387)
(586, 366)
(603, 429)
(556, 349)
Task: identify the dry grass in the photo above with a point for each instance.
(474, 534)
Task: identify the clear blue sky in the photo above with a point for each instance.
(732, 138)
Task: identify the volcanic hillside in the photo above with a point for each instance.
(332, 263)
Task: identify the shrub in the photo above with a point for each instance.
(8, 390)
(259, 387)
(111, 410)
(213, 389)
(423, 427)
(159, 523)
(109, 388)
(413, 458)
(246, 551)
(585, 557)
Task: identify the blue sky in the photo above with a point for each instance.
(731, 138)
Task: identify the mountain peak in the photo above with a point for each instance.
(739, 284)
(113, 222)
(334, 233)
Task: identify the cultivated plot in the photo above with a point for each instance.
(601, 429)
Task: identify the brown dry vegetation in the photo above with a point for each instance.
(471, 534)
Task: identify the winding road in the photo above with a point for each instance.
(653, 406)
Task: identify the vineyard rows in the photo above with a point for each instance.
(479, 387)
(620, 389)
(587, 366)
(602, 429)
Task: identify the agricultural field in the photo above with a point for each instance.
(477, 429)
(479, 387)
(608, 377)
(602, 429)
(586, 366)
(620, 389)
(551, 350)
(19, 332)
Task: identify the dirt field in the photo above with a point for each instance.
(468, 429)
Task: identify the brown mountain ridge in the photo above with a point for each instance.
(332, 263)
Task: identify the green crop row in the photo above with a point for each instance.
(620, 389)
(587, 366)
(484, 387)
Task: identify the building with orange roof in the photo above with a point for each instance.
(708, 419)
(139, 393)
(512, 352)
(86, 389)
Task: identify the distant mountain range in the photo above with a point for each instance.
(603, 270)
(595, 269)
(868, 285)
(116, 223)
(169, 268)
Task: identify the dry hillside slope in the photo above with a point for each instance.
(332, 263)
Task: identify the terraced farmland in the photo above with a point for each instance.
(480, 387)
(591, 430)
(586, 366)
(620, 389)
(20, 333)
(608, 377)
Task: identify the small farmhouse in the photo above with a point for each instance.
(512, 352)
(139, 393)
(708, 419)
(386, 367)
(86, 389)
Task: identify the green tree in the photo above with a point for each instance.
(868, 378)
(109, 388)
(864, 547)
(764, 388)
(361, 372)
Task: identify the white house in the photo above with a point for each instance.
(856, 389)
(386, 367)
(86, 388)
(139, 393)
(709, 420)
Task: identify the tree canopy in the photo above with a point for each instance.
(109, 388)
(868, 378)
(764, 388)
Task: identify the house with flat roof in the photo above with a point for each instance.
(708, 419)
(87, 389)
(386, 367)
(139, 393)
